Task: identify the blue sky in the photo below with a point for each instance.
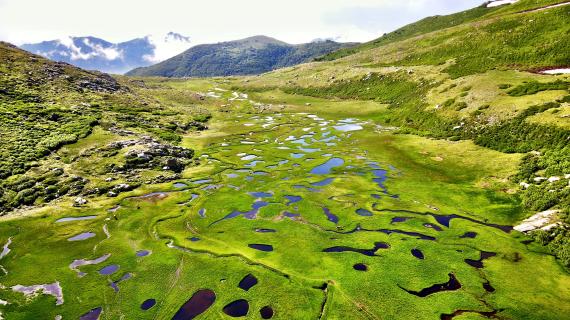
(293, 21)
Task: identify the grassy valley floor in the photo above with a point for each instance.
(335, 216)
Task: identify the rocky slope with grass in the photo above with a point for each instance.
(128, 136)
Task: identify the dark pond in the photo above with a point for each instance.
(115, 284)
(297, 155)
(479, 263)
(360, 267)
(408, 233)
(147, 304)
(142, 253)
(261, 247)
(238, 308)
(108, 270)
(366, 252)
(196, 305)
(326, 167)
(266, 312)
(261, 194)
(376, 196)
(418, 254)
(202, 181)
(93, 314)
(68, 219)
(400, 219)
(485, 314)
(180, 185)
(451, 285)
(247, 282)
(291, 215)
(330, 216)
(323, 183)
(194, 239)
(251, 214)
(82, 236)
(470, 235)
(381, 176)
(363, 212)
(298, 186)
(202, 213)
(264, 230)
(293, 199)
(444, 220)
(488, 287)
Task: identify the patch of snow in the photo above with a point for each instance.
(553, 179)
(538, 220)
(500, 3)
(557, 71)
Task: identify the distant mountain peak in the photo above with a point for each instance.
(252, 55)
(98, 54)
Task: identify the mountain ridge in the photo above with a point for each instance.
(252, 55)
(94, 53)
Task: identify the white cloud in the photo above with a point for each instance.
(294, 21)
(97, 50)
(166, 46)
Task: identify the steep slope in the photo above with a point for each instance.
(470, 18)
(252, 55)
(97, 54)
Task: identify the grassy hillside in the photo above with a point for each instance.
(424, 26)
(248, 56)
(441, 23)
(46, 106)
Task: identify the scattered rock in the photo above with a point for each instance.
(537, 221)
(79, 201)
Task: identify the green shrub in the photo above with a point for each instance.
(535, 87)
(460, 106)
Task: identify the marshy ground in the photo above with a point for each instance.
(293, 212)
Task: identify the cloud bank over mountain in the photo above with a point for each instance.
(98, 54)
